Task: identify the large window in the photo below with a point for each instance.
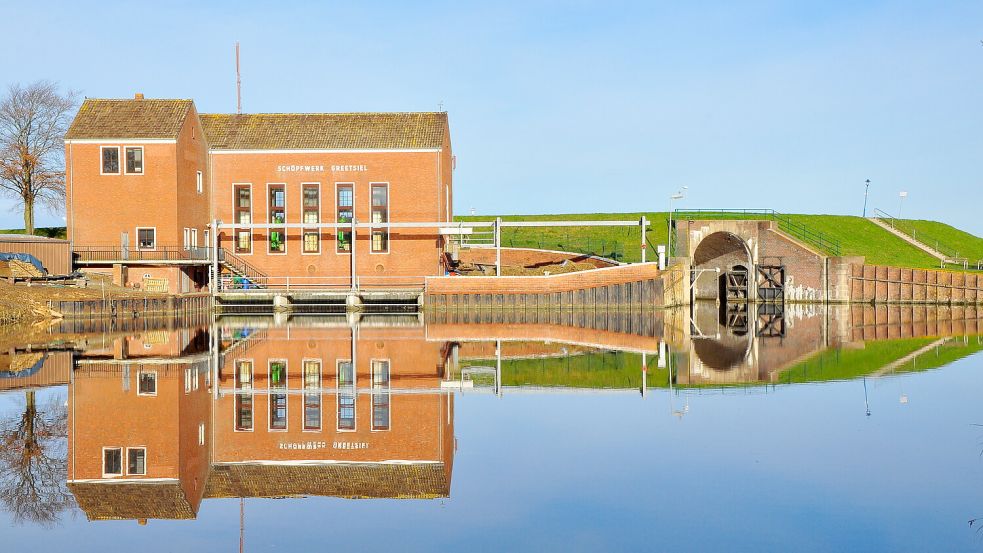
(312, 216)
(110, 160)
(134, 160)
(136, 461)
(346, 395)
(380, 394)
(278, 216)
(146, 238)
(380, 214)
(312, 394)
(112, 461)
(278, 401)
(243, 216)
(244, 395)
(344, 215)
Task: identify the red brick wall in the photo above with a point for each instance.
(880, 284)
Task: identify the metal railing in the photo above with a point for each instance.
(239, 265)
(318, 283)
(89, 254)
(950, 255)
(799, 230)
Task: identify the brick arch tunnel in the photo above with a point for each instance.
(730, 254)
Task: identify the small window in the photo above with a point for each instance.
(134, 160)
(312, 241)
(312, 396)
(278, 401)
(243, 216)
(380, 395)
(346, 396)
(187, 381)
(136, 461)
(344, 215)
(278, 216)
(112, 461)
(198, 182)
(201, 434)
(110, 160)
(147, 383)
(380, 214)
(146, 238)
(244, 396)
(187, 238)
(194, 238)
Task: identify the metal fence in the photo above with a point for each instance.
(819, 239)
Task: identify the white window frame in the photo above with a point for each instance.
(269, 231)
(126, 461)
(199, 182)
(303, 389)
(389, 387)
(383, 225)
(147, 394)
(194, 238)
(143, 160)
(337, 383)
(119, 160)
(201, 434)
(252, 218)
(187, 238)
(137, 236)
(122, 462)
(334, 208)
(239, 392)
(279, 391)
(304, 231)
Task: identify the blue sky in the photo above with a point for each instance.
(579, 106)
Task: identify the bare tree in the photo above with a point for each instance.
(33, 121)
(34, 462)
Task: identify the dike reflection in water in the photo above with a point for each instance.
(331, 406)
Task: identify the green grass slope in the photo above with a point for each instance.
(856, 235)
(945, 238)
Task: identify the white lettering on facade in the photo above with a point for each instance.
(303, 445)
(349, 445)
(300, 168)
(348, 168)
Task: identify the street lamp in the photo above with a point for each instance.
(903, 194)
(679, 195)
(866, 192)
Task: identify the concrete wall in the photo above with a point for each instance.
(530, 258)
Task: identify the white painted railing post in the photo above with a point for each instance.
(215, 285)
(498, 246)
(644, 225)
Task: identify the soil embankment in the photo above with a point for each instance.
(23, 304)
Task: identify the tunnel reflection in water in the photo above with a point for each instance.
(318, 406)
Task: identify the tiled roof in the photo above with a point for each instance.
(325, 131)
(128, 119)
(348, 480)
(130, 501)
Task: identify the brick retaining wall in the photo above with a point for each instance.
(880, 284)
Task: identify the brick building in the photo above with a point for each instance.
(313, 197)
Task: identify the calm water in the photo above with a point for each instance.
(806, 429)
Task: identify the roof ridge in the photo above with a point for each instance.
(327, 113)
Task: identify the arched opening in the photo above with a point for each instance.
(722, 265)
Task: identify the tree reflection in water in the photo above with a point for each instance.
(33, 462)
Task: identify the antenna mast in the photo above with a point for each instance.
(238, 83)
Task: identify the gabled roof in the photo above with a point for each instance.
(108, 500)
(353, 480)
(325, 131)
(128, 119)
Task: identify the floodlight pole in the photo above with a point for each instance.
(866, 192)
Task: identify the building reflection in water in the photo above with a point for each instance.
(161, 420)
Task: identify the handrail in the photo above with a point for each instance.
(323, 283)
(160, 253)
(927, 240)
(816, 238)
(239, 264)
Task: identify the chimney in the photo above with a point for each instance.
(138, 96)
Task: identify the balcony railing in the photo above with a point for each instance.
(91, 254)
(319, 283)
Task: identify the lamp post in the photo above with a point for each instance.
(677, 196)
(866, 193)
(902, 195)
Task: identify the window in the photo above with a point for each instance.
(278, 215)
(136, 461)
(187, 238)
(134, 160)
(243, 216)
(346, 395)
(194, 238)
(312, 394)
(110, 160)
(278, 401)
(312, 215)
(380, 214)
(198, 182)
(201, 434)
(146, 383)
(146, 238)
(187, 381)
(344, 215)
(244, 396)
(112, 461)
(380, 394)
